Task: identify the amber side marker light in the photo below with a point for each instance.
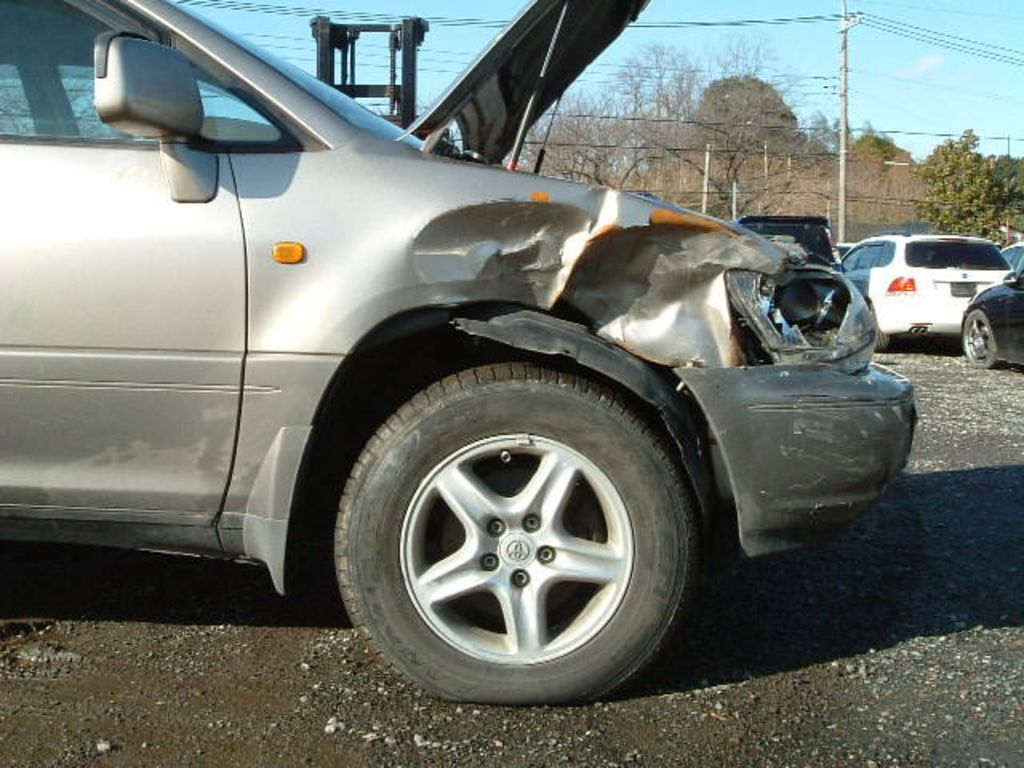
(689, 220)
(540, 197)
(289, 253)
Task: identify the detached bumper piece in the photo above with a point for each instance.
(806, 449)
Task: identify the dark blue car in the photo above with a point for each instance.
(993, 328)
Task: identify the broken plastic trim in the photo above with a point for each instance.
(806, 315)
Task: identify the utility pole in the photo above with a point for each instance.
(707, 178)
(847, 23)
(1009, 166)
(764, 197)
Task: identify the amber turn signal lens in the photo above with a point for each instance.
(662, 216)
(540, 197)
(289, 253)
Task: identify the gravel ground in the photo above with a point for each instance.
(901, 645)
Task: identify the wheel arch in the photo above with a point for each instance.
(407, 352)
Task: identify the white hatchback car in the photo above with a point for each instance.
(918, 284)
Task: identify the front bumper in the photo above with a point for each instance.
(803, 450)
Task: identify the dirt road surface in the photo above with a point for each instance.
(901, 645)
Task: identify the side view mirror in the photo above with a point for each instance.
(148, 90)
(145, 89)
(1014, 279)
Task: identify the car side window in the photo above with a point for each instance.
(874, 250)
(866, 257)
(46, 71)
(886, 254)
(853, 259)
(1015, 257)
(228, 118)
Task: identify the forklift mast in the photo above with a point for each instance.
(404, 37)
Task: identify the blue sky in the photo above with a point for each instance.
(898, 83)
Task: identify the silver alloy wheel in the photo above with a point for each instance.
(977, 339)
(516, 549)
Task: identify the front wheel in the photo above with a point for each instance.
(979, 343)
(516, 535)
(882, 339)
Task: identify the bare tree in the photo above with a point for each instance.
(648, 128)
(590, 142)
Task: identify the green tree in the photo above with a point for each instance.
(877, 147)
(963, 192)
(1010, 172)
(745, 118)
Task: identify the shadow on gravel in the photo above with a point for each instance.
(942, 346)
(944, 551)
(44, 582)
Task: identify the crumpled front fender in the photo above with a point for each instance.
(646, 278)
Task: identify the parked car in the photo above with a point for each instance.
(246, 318)
(993, 327)
(1014, 255)
(921, 284)
(810, 233)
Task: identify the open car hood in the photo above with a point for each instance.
(488, 102)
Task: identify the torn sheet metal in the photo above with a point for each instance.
(652, 283)
(659, 290)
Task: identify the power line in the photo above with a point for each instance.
(736, 23)
(949, 42)
(677, 150)
(985, 46)
(465, 58)
(251, 6)
(774, 126)
(248, 6)
(880, 23)
(932, 8)
(926, 84)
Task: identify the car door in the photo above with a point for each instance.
(1014, 319)
(122, 325)
(857, 266)
(1014, 256)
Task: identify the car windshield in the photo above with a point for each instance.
(952, 254)
(813, 238)
(338, 102)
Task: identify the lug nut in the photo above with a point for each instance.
(495, 527)
(531, 523)
(545, 554)
(520, 578)
(489, 562)
(506, 457)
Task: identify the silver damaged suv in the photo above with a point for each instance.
(243, 317)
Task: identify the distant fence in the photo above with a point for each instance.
(858, 230)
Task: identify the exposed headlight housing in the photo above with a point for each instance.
(805, 315)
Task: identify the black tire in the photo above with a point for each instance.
(978, 341)
(516, 399)
(882, 341)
